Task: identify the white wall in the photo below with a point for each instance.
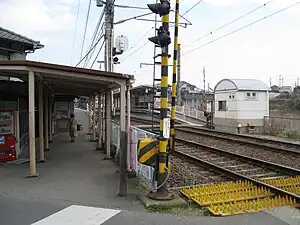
(253, 109)
(231, 104)
(241, 108)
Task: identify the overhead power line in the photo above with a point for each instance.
(97, 27)
(75, 30)
(94, 46)
(100, 33)
(136, 43)
(135, 51)
(229, 23)
(246, 26)
(85, 28)
(197, 3)
(98, 53)
(142, 38)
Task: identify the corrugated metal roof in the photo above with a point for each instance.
(12, 36)
(242, 84)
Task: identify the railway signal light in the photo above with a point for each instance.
(162, 8)
(116, 60)
(162, 39)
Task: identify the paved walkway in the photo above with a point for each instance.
(73, 173)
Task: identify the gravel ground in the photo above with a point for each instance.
(275, 138)
(255, 152)
(263, 140)
(185, 173)
(242, 167)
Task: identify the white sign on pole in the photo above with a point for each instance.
(166, 128)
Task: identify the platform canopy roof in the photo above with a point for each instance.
(241, 85)
(65, 80)
(13, 42)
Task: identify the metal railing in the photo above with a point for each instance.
(142, 171)
(189, 112)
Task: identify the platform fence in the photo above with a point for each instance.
(282, 126)
(144, 172)
(189, 112)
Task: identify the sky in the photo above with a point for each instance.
(265, 50)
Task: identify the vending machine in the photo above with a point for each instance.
(7, 136)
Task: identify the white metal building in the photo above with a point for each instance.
(241, 103)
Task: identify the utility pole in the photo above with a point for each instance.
(109, 52)
(280, 80)
(109, 22)
(174, 79)
(204, 89)
(178, 75)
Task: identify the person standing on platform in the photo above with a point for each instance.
(72, 125)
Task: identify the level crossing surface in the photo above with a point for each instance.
(41, 212)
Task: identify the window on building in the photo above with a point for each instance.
(251, 96)
(222, 105)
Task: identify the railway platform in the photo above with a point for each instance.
(179, 118)
(76, 186)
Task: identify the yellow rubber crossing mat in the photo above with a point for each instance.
(234, 208)
(240, 195)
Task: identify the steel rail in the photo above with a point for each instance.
(235, 175)
(247, 159)
(238, 138)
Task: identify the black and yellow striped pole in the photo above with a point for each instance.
(163, 40)
(163, 143)
(174, 80)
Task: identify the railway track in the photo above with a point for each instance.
(259, 185)
(186, 173)
(274, 151)
(244, 139)
(235, 166)
(238, 138)
(274, 145)
(232, 163)
(271, 153)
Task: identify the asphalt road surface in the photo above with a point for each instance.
(21, 211)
